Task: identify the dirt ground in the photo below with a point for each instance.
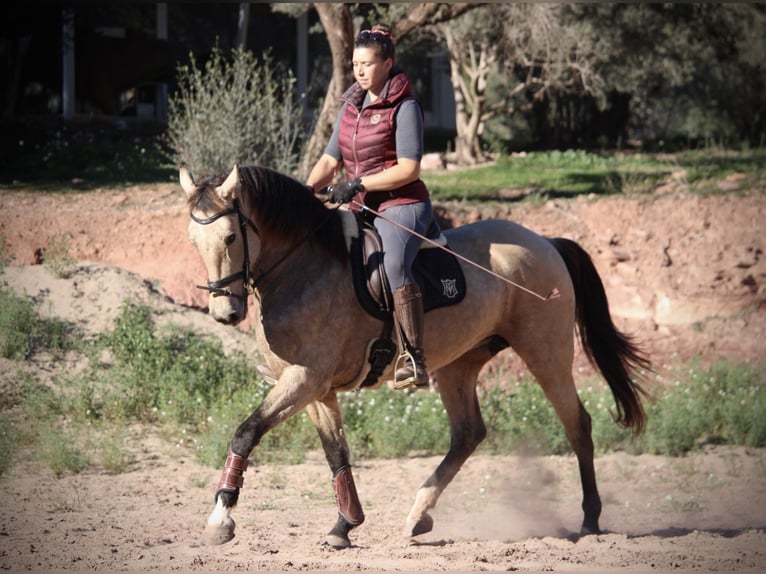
(685, 274)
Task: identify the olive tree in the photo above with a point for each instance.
(506, 57)
(239, 109)
(339, 22)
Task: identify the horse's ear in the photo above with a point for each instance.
(229, 188)
(187, 182)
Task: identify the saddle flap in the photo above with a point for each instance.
(436, 270)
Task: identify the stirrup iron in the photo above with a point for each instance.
(410, 381)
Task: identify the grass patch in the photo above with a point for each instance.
(57, 258)
(53, 155)
(57, 448)
(10, 440)
(390, 424)
(183, 385)
(6, 258)
(555, 174)
(61, 156)
(23, 331)
(723, 404)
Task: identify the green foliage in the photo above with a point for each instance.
(550, 174)
(113, 456)
(172, 378)
(10, 437)
(287, 443)
(723, 404)
(6, 258)
(238, 110)
(693, 72)
(520, 417)
(23, 331)
(58, 449)
(389, 424)
(56, 156)
(57, 445)
(56, 256)
(184, 381)
(186, 386)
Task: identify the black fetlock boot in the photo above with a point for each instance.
(408, 311)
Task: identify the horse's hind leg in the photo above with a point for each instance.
(326, 416)
(457, 387)
(555, 377)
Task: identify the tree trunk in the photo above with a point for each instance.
(468, 103)
(242, 23)
(338, 26)
(17, 58)
(337, 22)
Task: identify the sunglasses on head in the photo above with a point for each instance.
(373, 35)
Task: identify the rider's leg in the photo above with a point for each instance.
(408, 311)
(400, 249)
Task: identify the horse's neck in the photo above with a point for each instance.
(300, 297)
(297, 277)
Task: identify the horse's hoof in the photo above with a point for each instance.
(215, 535)
(425, 524)
(588, 530)
(337, 541)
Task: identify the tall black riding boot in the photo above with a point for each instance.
(408, 311)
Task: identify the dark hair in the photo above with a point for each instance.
(378, 38)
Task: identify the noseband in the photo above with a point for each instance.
(218, 288)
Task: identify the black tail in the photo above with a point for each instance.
(615, 354)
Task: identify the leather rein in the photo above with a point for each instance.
(219, 288)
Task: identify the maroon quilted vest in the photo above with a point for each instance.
(367, 139)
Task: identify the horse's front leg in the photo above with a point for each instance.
(457, 387)
(326, 416)
(295, 389)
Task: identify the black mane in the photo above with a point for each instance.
(286, 208)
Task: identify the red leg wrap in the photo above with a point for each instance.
(232, 477)
(345, 494)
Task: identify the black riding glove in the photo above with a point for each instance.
(344, 192)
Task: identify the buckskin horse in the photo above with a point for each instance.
(263, 233)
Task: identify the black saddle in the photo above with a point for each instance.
(437, 271)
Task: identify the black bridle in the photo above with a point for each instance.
(218, 288)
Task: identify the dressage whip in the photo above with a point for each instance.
(554, 294)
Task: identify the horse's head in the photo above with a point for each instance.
(225, 238)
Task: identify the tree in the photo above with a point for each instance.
(506, 57)
(237, 109)
(689, 72)
(338, 23)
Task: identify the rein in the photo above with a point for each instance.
(217, 288)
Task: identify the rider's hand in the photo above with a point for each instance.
(344, 192)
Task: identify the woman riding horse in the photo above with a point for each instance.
(260, 231)
(379, 139)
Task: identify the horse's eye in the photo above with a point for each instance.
(230, 239)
